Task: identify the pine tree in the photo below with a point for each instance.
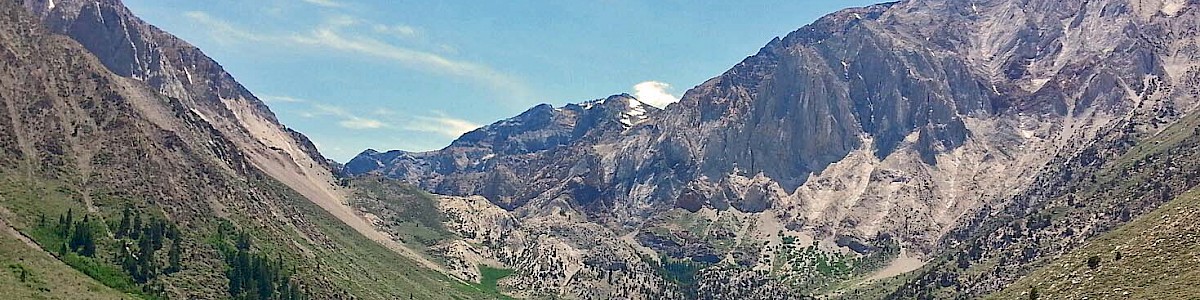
(155, 232)
(123, 227)
(89, 241)
(81, 239)
(70, 219)
(128, 262)
(64, 227)
(174, 256)
(243, 241)
(145, 261)
(135, 230)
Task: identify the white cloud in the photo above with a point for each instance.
(361, 123)
(402, 31)
(223, 31)
(325, 3)
(332, 36)
(437, 122)
(348, 120)
(654, 93)
(281, 99)
(441, 124)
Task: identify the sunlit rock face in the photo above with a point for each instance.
(895, 120)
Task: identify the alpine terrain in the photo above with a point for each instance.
(920, 149)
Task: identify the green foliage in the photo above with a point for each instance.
(83, 239)
(251, 274)
(130, 269)
(1093, 262)
(174, 256)
(489, 277)
(103, 272)
(681, 272)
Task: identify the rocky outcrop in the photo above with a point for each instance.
(898, 119)
(491, 156)
(132, 48)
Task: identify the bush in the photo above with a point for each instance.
(1093, 262)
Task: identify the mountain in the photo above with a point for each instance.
(134, 166)
(470, 160)
(903, 137)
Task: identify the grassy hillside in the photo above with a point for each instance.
(1153, 257)
(30, 273)
(1077, 198)
(144, 196)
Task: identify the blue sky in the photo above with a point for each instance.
(413, 75)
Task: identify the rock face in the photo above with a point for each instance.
(897, 119)
(104, 116)
(483, 155)
(129, 47)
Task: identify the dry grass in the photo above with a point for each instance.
(1159, 259)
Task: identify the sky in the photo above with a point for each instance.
(414, 75)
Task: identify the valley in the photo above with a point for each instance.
(919, 149)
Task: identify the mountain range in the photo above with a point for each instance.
(921, 149)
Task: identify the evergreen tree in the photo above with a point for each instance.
(89, 242)
(128, 263)
(174, 256)
(154, 231)
(243, 241)
(82, 240)
(70, 220)
(123, 227)
(145, 261)
(135, 229)
(64, 228)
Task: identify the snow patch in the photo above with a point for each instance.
(635, 114)
(50, 5)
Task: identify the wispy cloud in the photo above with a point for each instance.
(325, 3)
(401, 31)
(361, 123)
(442, 124)
(332, 35)
(654, 93)
(435, 122)
(223, 31)
(348, 119)
(281, 99)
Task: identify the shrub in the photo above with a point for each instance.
(1093, 262)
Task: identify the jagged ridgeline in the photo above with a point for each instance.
(963, 144)
(127, 171)
(922, 149)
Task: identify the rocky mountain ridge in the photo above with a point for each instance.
(107, 119)
(901, 119)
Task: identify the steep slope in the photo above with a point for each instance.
(1078, 197)
(131, 48)
(34, 273)
(96, 150)
(900, 125)
(1152, 257)
(479, 162)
